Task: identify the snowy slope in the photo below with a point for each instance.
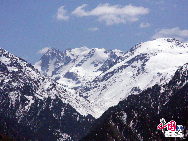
(137, 117)
(75, 67)
(34, 101)
(44, 87)
(147, 64)
(106, 77)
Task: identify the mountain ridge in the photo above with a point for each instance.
(76, 58)
(35, 104)
(105, 83)
(70, 88)
(137, 117)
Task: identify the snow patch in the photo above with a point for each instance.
(31, 101)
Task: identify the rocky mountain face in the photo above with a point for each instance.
(75, 67)
(34, 107)
(137, 117)
(59, 97)
(106, 77)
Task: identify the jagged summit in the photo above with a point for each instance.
(52, 50)
(44, 87)
(73, 67)
(36, 104)
(105, 77)
(74, 83)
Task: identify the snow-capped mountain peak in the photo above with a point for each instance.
(75, 67)
(34, 102)
(105, 77)
(16, 72)
(147, 64)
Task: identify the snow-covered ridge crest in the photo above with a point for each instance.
(36, 104)
(74, 67)
(146, 64)
(16, 75)
(105, 77)
(157, 45)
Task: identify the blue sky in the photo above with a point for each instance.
(29, 26)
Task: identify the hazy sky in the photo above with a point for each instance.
(28, 26)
